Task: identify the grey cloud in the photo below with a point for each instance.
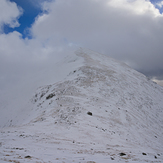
(120, 33)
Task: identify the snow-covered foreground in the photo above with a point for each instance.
(102, 111)
(45, 142)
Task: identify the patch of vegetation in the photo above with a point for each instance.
(42, 95)
(50, 96)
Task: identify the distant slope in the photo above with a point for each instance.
(102, 104)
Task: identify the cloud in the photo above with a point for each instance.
(9, 13)
(25, 64)
(136, 6)
(38, 3)
(160, 82)
(130, 31)
(159, 4)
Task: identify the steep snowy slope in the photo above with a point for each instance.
(102, 111)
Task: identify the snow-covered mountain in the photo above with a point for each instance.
(100, 110)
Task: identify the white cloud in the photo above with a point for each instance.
(159, 4)
(159, 82)
(25, 65)
(126, 30)
(9, 12)
(38, 3)
(136, 6)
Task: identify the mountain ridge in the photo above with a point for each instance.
(103, 107)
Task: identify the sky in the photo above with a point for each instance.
(35, 34)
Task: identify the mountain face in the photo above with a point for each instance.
(101, 111)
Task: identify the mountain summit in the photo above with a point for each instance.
(99, 110)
